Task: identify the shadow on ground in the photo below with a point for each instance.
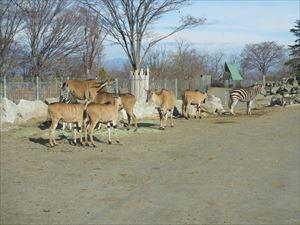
(41, 141)
(148, 125)
(45, 141)
(45, 125)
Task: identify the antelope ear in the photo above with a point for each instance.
(145, 89)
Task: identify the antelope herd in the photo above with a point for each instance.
(87, 103)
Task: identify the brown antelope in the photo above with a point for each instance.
(103, 113)
(165, 101)
(192, 98)
(73, 90)
(128, 101)
(70, 113)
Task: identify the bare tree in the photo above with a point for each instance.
(215, 65)
(186, 61)
(262, 56)
(10, 25)
(158, 62)
(94, 35)
(129, 23)
(51, 31)
(233, 59)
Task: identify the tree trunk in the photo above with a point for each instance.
(87, 73)
(136, 66)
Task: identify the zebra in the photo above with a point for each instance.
(66, 96)
(246, 94)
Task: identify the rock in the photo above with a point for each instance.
(9, 111)
(274, 90)
(213, 105)
(276, 100)
(297, 100)
(294, 90)
(178, 107)
(285, 89)
(32, 109)
(142, 109)
(51, 100)
(191, 109)
(289, 88)
(123, 115)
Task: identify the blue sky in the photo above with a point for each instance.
(230, 25)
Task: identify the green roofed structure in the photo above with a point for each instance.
(231, 75)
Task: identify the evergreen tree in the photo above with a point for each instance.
(295, 49)
(294, 62)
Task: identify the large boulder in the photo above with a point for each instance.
(213, 105)
(274, 90)
(191, 109)
(284, 89)
(32, 109)
(51, 100)
(276, 100)
(148, 110)
(297, 100)
(142, 109)
(178, 109)
(9, 111)
(295, 90)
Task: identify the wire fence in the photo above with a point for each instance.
(16, 91)
(36, 90)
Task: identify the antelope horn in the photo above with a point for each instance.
(103, 85)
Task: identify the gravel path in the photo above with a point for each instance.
(223, 170)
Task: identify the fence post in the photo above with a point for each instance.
(225, 97)
(141, 84)
(146, 83)
(165, 83)
(4, 86)
(117, 87)
(131, 82)
(176, 88)
(37, 90)
(147, 80)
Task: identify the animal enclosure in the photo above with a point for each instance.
(33, 90)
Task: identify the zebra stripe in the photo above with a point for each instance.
(245, 94)
(66, 95)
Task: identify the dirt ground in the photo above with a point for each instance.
(224, 170)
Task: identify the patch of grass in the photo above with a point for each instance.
(38, 131)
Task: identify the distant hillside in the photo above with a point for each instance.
(115, 63)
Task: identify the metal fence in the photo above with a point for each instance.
(37, 90)
(201, 83)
